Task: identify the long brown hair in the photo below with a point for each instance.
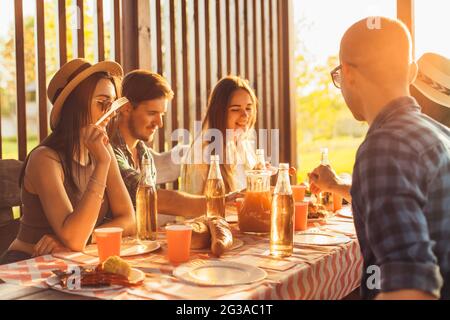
(75, 114)
(217, 114)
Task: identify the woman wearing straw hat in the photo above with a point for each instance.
(431, 88)
(71, 180)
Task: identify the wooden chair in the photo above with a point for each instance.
(9, 198)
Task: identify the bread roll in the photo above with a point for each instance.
(221, 236)
(201, 237)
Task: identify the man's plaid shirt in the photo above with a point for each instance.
(401, 201)
(129, 170)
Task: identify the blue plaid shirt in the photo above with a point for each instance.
(401, 202)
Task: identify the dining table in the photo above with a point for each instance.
(315, 271)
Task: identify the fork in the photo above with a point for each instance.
(114, 107)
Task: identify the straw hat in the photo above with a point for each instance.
(69, 76)
(433, 79)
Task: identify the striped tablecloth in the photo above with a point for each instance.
(313, 272)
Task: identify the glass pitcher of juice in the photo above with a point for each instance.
(254, 215)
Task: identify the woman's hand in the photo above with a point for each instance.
(47, 245)
(96, 141)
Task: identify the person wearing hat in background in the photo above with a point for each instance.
(432, 87)
(71, 180)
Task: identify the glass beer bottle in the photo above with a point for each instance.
(146, 205)
(326, 198)
(215, 190)
(282, 225)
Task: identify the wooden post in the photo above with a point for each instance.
(405, 13)
(20, 80)
(62, 38)
(286, 105)
(130, 59)
(40, 69)
(144, 47)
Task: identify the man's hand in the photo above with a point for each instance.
(47, 245)
(323, 178)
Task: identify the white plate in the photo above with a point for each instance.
(135, 276)
(128, 249)
(345, 212)
(345, 228)
(237, 243)
(321, 239)
(219, 273)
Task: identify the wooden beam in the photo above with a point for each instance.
(264, 91)
(405, 13)
(219, 40)
(207, 48)
(144, 44)
(173, 66)
(159, 68)
(116, 43)
(285, 82)
(79, 29)
(246, 51)
(198, 89)
(130, 59)
(255, 49)
(228, 36)
(238, 37)
(99, 34)
(20, 79)
(62, 29)
(41, 69)
(271, 65)
(186, 91)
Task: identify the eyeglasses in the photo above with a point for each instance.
(105, 105)
(336, 76)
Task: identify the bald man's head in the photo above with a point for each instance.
(381, 51)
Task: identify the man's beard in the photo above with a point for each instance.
(134, 132)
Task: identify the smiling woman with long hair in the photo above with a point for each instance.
(71, 181)
(231, 111)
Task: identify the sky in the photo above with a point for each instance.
(321, 23)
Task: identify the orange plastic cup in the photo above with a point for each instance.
(108, 242)
(178, 243)
(298, 191)
(301, 216)
(337, 202)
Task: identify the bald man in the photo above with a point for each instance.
(401, 179)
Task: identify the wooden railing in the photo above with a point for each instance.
(193, 43)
